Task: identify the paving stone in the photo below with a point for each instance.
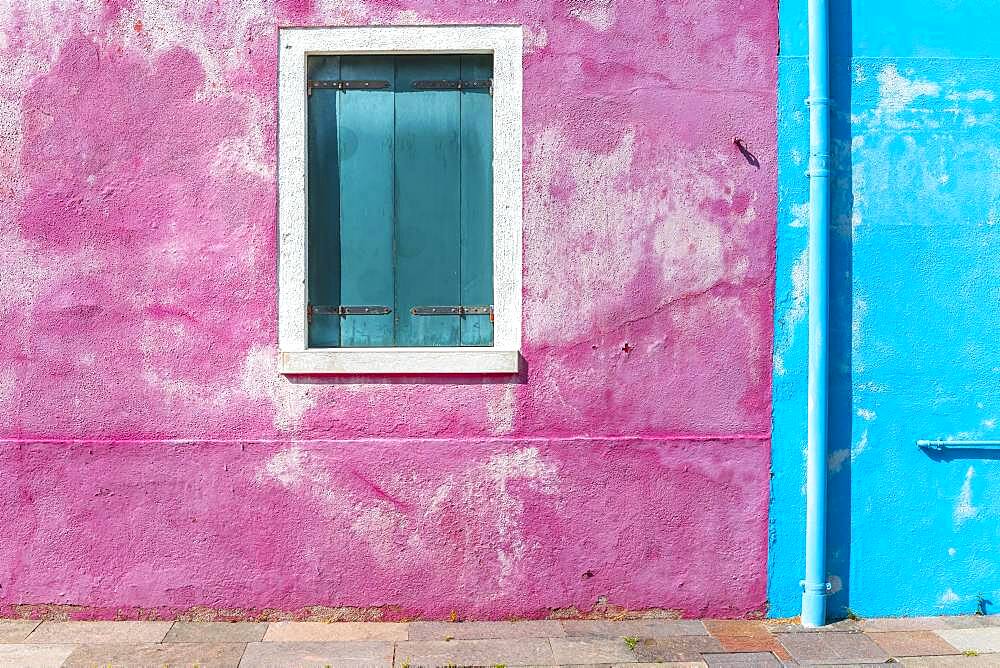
(786, 626)
(837, 648)
(99, 632)
(488, 652)
(215, 632)
(736, 627)
(991, 660)
(16, 630)
(678, 648)
(32, 656)
(982, 640)
(668, 664)
(203, 655)
(744, 635)
(879, 624)
(370, 653)
(636, 628)
(333, 631)
(671, 664)
(912, 643)
(743, 660)
(843, 665)
(970, 621)
(591, 650)
(477, 630)
(755, 644)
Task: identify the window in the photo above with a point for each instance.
(400, 199)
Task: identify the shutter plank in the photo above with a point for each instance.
(428, 202)
(324, 202)
(365, 135)
(477, 201)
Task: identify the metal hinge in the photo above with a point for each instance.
(312, 310)
(346, 84)
(452, 84)
(453, 310)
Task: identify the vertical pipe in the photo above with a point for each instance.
(815, 586)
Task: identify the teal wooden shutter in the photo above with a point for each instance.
(324, 203)
(428, 202)
(477, 200)
(400, 201)
(366, 141)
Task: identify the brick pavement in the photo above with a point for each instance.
(918, 642)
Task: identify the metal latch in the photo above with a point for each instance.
(346, 84)
(312, 310)
(453, 84)
(453, 310)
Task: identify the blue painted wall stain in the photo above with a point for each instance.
(915, 309)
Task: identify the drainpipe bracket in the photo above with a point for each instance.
(820, 588)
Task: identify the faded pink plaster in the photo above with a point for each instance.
(491, 529)
(137, 259)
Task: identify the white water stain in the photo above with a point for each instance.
(796, 311)
(907, 102)
(897, 93)
(500, 409)
(972, 96)
(859, 311)
(800, 215)
(592, 221)
(860, 446)
(691, 249)
(288, 467)
(486, 497)
(598, 208)
(964, 510)
(948, 597)
(535, 39)
(598, 14)
(262, 379)
(8, 382)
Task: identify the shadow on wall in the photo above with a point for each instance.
(841, 308)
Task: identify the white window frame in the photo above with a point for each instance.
(295, 46)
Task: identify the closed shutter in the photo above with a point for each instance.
(400, 201)
(477, 200)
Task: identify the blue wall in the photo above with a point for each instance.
(915, 308)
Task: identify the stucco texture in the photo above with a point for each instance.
(913, 314)
(156, 462)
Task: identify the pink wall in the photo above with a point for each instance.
(154, 460)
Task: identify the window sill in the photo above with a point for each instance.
(378, 361)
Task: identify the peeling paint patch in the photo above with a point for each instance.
(897, 93)
(795, 312)
(800, 215)
(501, 410)
(861, 445)
(261, 379)
(948, 597)
(599, 14)
(964, 510)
